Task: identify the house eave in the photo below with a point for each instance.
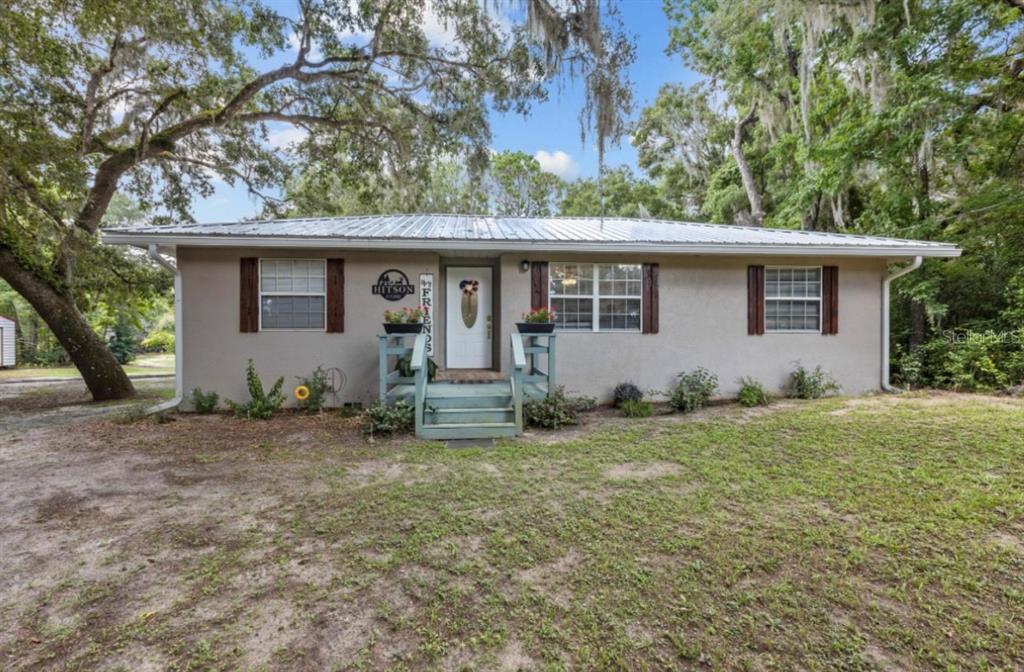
(526, 246)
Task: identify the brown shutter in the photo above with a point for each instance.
(538, 284)
(830, 300)
(335, 296)
(755, 300)
(249, 295)
(650, 299)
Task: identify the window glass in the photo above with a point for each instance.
(292, 294)
(609, 294)
(792, 299)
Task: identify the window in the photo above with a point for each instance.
(792, 299)
(292, 294)
(596, 297)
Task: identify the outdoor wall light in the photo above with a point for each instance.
(524, 265)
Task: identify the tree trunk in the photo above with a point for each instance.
(747, 175)
(102, 374)
(917, 324)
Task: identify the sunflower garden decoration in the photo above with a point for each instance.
(470, 301)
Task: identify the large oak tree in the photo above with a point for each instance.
(158, 99)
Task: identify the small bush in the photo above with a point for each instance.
(807, 384)
(122, 343)
(261, 405)
(318, 386)
(752, 393)
(204, 402)
(637, 408)
(383, 419)
(159, 341)
(403, 365)
(626, 392)
(557, 410)
(694, 390)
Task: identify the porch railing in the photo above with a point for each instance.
(390, 377)
(538, 345)
(518, 363)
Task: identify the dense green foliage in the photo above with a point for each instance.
(752, 393)
(637, 408)
(693, 390)
(557, 410)
(384, 419)
(262, 404)
(204, 402)
(814, 383)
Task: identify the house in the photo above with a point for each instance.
(8, 357)
(637, 300)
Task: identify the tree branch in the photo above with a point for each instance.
(749, 185)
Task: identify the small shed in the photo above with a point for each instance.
(7, 354)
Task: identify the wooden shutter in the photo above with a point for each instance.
(335, 296)
(830, 300)
(249, 295)
(755, 300)
(538, 284)
(650, 299)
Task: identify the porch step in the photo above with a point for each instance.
(482, 395)
(481, 430)
(471, 415)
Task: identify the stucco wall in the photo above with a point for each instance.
(216, 353)
(702, 323)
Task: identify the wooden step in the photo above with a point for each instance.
(483, 430)
(469, 416)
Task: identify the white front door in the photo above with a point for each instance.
(469, 324)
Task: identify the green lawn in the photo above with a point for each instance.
(873, 533)
(158, 364)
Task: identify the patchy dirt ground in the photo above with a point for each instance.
(861, 533)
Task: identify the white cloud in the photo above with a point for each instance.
(558, 163)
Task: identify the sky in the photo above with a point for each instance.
(551, 131)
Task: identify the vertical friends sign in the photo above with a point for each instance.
(427, 301)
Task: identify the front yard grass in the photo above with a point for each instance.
(869, 533)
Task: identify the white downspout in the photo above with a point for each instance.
(916, 264)
(179, 344)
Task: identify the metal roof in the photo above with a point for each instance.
(480, 232)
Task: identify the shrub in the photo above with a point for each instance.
(752, 393)
(403, 365)
(383, 419)
(204, 402)
(261, 405)
(693, 390)
(626, 392)
(318, 386)
(807, 384)
(122, 343)
(637, 408)
(159, 341)
(556, 410)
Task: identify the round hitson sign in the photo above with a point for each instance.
(393, 285)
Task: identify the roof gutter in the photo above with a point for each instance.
(179, 344)
(914, 265)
